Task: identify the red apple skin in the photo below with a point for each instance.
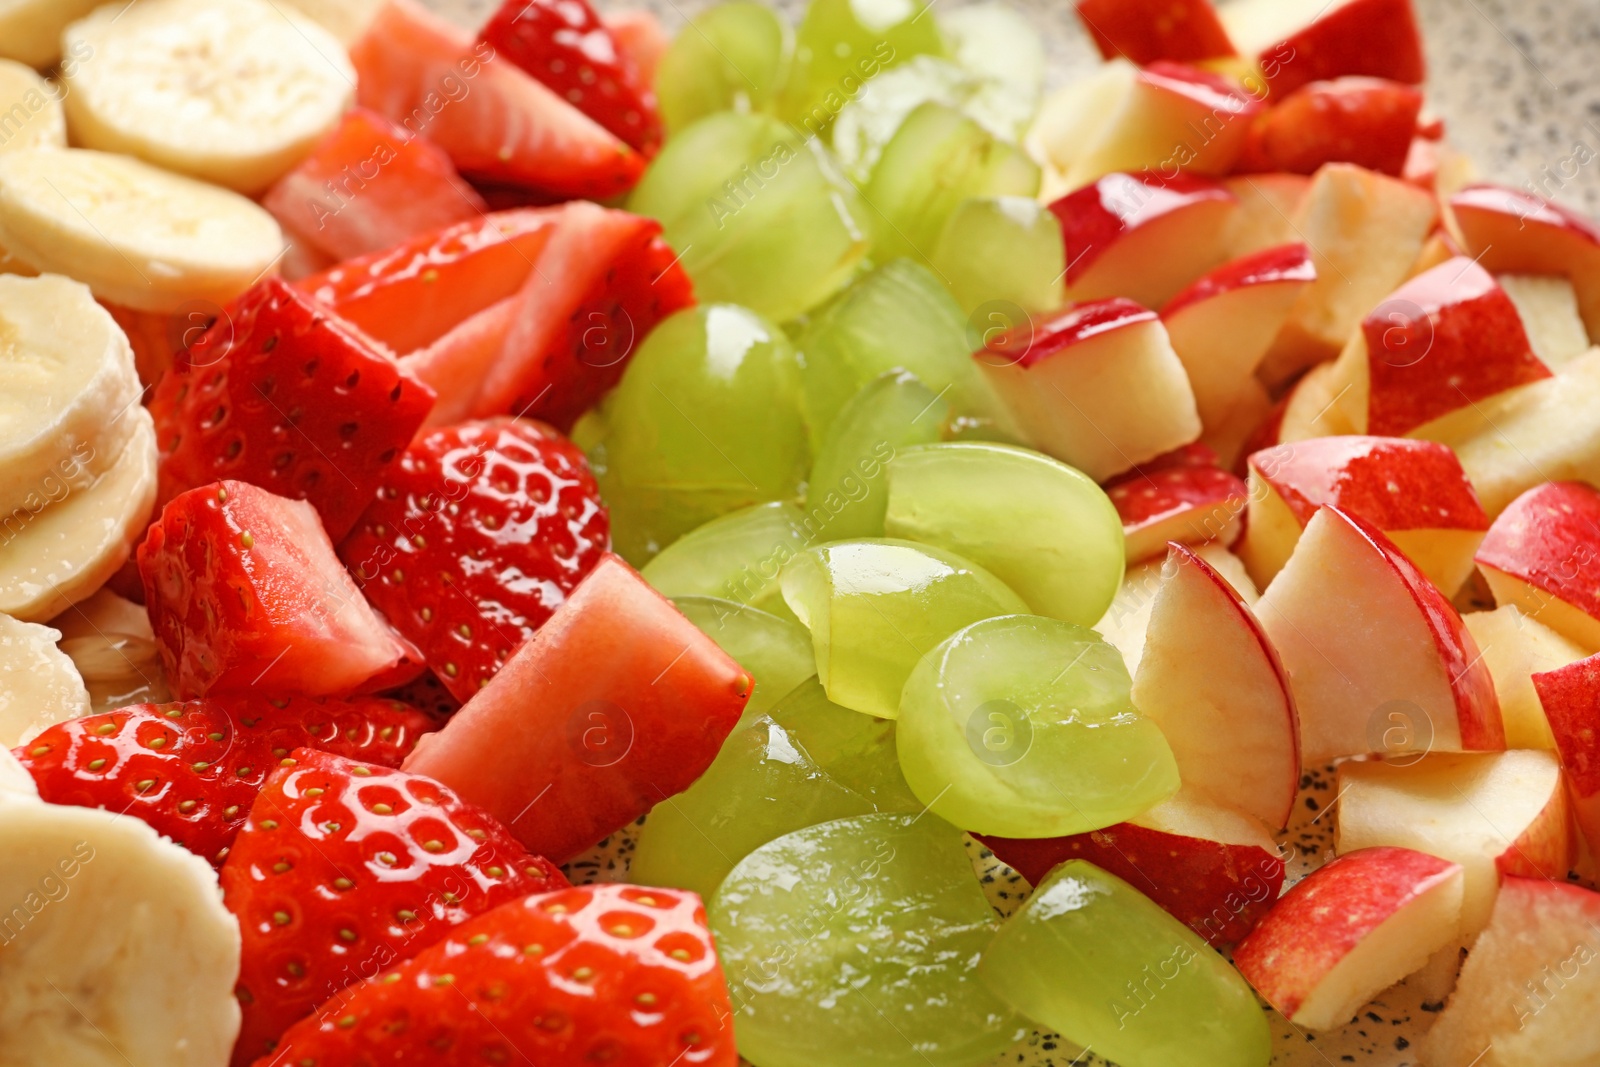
(1366, 121)
(1028, 343)
(1375, 38)
(1285, 263)
(1148, 30)
(1549, 537)
(1514, 232)
(1154, 497)
(1446, 338)
(1571, 699)
(1395, 483)
(1218, 890)
(1094, 217)
(1327, 914)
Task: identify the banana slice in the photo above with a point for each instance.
(15, 781)
(115, 949)
(110, 641)
(30, 30)
(136, 235)
(232, 91)
(39, 687)
(30, 110)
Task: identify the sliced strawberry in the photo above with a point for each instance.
(369, 185)
(641, 41)
(613, 974)
(615, 704)
(476, 541)
(343, 870)
(564, 44)
(283, 394)
(495, 121)
(244, 592)
(192, 770)
(455, 365)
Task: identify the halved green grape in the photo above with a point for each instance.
(842, 45)
(868, 123)
(1042, 527)
(856, 750)
(1022, 726)
(732, 57)
(937, 159)
(705, 421)
(999, 43)
(761, 216)
(847, 491)
(857, 942)
(876, 607)
(1091, 957)
(737, 557)
(761, 786)
(776, 652)
(1002, 250)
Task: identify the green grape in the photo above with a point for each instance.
(1091, 957)
(1004, 250)
(589, 432)
(705, 421)
(732, 57)
(1042, 527)
(856, 942)
(856, 750)
(847, 491)
(875, 608)
(761, 786)
(842, 45)
(776, 652)
(1000, 45)
(760, 216)
(869, 122)
(1022, 726)
(936, 159)
(737, 557)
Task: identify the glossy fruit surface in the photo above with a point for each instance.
(733, 57)
(776, 651)
(737, 557)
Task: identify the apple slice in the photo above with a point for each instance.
(1231, 436)
(1267, 207)
(1371, 646)
(1211, 679)
(1300, 41)
(1147, 30)
(1222, 325)
(1493, 813)
(1414, 491)
(1570, 696)
(1071, 117)
(1548, 305)
(1440, 248)
(1212, 869)
(1142, 236)
(1095, 385)
(1312, 409)
(1351, 929)
(1528, 992)
(1367, 121)
(1364, 231)
(1516, 648)
(1126, 620)
(1188, 504)
(1543, 555)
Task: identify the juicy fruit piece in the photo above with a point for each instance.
(1570, 699)
(192, 770)
(616, 703)
(1022, 726)
(343, 869)
(706, 420)
(564, 44)
(841, 45)
(875, 607)
(997, 43)
(1192, 504)
(761, 217)
(1309, 40)
(865, 973)
(1367, 121)
(1540, 556)
(775, 651)
(1548, 305)
(737, 557)
(109, 641)
(853, 749)
(244, 589)
(280, 394)
(612, 972)
(234, 93)
(40, 684)
(1147, 31)
(1060, 546)
(1001, 250)
(42, 123)
(175, 240)
(1518, 647)
(509, 491)
(1172, 1001)
(733, 57)
(30, 30)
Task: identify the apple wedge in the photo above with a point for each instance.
(1548, 305)
(1543, 555)
(1516, 647)
(1528, 992)
(1147, 30)
(1211, 679)
(1349, 930)
(1070, 118)
(1267, 207)
(1188, 504)
(1300, 41)
(1126, 620)
(1378, 659)
(1366, 121)
(1095, 385)
(1312, 408)
(1570, 696)
(1494, 813)
(1516, 232)
(1414, 491)
(1231, 437)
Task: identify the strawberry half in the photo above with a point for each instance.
(192, 770)
(476, 540)
(245, 592)
(345, 869)
(564, 44)
(613, 974)
(283, 394)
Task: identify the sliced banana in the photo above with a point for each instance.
(15, 781)
(30, 109)
(136, 235)
(115, 949)
(30, 30)
(39, 687)
(110, 641)
(232, 91)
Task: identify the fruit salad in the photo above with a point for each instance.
(785, 544)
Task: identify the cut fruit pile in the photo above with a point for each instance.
(809, 456)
